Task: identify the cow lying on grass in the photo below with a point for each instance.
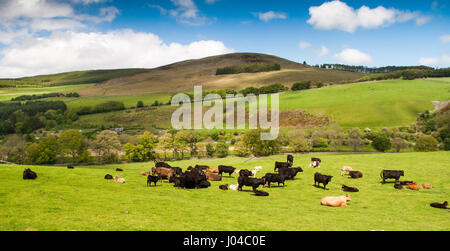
(439, 205)
(345, 169)
(340, 201)
(119, 180)
(349, 189)
(108, 177)
(163, 172)
(213, 177)
(355, 174)
(223, 187)
(29, 175)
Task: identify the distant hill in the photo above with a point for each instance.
(183, 76)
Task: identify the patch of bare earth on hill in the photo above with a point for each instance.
(438, 105)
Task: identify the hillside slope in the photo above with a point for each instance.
(183, 76)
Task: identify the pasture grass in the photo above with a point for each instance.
(6, 94)
(80, 199)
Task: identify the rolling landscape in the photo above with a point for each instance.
(88, 139)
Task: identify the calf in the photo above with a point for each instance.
(426, 186)
(406, 182)
(163, 172)
(391, 174)
(273, 177)
(145, 173)
(290, 159)
(413, 186)
(226, 169)
(212, 170)
(119, 180)
(256, 170)
(340, 201)
(355, 174)
(29, 175)
(290, 173)
(119, 170)
(349, 189)
(150, 179)
(234, 187)
(108, 177)
(246, 181)
(320, 178)
(281, 165)
(223, 187)
(439, 205)
(316, 159)
(260, 193)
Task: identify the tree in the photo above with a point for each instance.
(254, 144)
(73, 143)
(43, 152)
(426, 143)
(143, 150)
(210, 150)
(355, 139)
(105, 144)
(299, 144)
(399, 143)
(165, 143)
(140, 104)
(13, 150)
(222, 149)
(187, 138)
(381, 142)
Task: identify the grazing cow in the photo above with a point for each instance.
(245, 172)
(150, 179)
(345, 169)
(340, 201)
(355, 174)
(413, 186)
(163, 172)
(119, 170)
(281, 165)
(226, 169)
(234, 187)
(273, 177)
(246, 181)
(145, 173)
(391, 174)
(320, 178)
(212, 170)
(223, 187)
(29, 175)
(213, 177)
(70, 167)
(398, 186)
(290, 173)
(426, 186)
(290, 159)
(201, 167)
(119, 180)
(260, 193)
(349, 189)
(108, 177)
(439, 205)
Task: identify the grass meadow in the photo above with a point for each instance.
(6, 94)
(80, 199)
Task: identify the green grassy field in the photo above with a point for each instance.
(80, 199)
(6, 94)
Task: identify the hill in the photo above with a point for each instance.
(183, 76)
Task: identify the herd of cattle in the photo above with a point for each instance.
(201, 175)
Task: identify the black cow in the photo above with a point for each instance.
(290, 173)
(162, 164)
(320, 178)
(316, 159)
(349, 189)
(355, 174)
(29, 175)
(245, 172)
(406, 182)
(246, 181)
(151, 178)
(201, 167)
(70, 167)
(391, 174)
(178, 170)
(398, 186)
(226, 169)
(108, 177)
(194, 178)
(273, 177)
(281, 165)
(439, 205)
(260, 193)
(119, 170)
(290, 159)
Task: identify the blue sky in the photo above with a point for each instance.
(49, 36)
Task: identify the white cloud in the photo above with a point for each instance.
(86, 2)
(443, 61)
(10, 9)
(69, 51)
(304, 45)
(324, 51)
(338, 15)
(267, 16)
(445, 38)
(353, 57)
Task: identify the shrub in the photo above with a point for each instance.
(222, 149)
(301, 86)
(426, 143)
(140, 104)
(210, 149)
(381, 142)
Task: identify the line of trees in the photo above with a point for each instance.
(46, 95)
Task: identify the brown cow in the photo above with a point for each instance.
(213, 177)
(163, 172)
(145, 173)
(413, 186)
(212, 170)
(426, 186)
